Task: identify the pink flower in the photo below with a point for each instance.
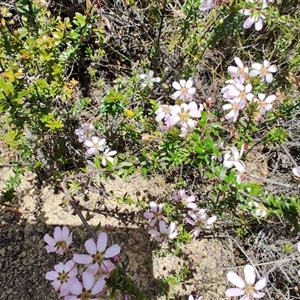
(240, 72)
(186, 201)
(246, 288)
(264, 70)
(107, 155)
(164, 234)
(184, 90)
(89, 290)
(98, 253)
(95, 145)
(255, 15)
(264, 104)
(62, 239)
(60, 277)
(84, 131)
(200, 221)
(155, 214)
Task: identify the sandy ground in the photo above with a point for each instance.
(24, 261)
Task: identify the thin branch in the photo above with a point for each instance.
(80, 215)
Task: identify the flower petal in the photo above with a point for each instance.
(296, 172)
(57, 234)
(64, 289)
(176, 85)
(272, 69)
(189, 84)
(51, 275)
(249, 274)
(236, 280)
(65, 233)
(75, 286)
(176, 94)
(182, 83)
(102, 241)
(112, 251)
(90, 246)
(99, 285)
(269, 78)
(162, 226)
(262, 283)
(258, 295)
(49, 240)
(234, 292)
(248, 23)
(259, 24)
(239, 165)
(56, 284)
(88, 280)
(82, 259)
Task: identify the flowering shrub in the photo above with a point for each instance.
(214, 135)
(238, 92)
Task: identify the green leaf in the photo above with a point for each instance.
(80, 20)
(22, 32)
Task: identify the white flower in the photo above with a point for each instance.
(246, 288)
(95, 145)
(234, 110)
(232, 158)
(184, 114)
(108, 155)
(264, 104)
(240, 72)
(163, 112)
(264, 70)
(184, 90)
(164, 234)
(148, 79)
(200, 221)
(259, 209)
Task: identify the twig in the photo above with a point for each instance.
(80, 215)
(16, 165)
(288, 186)
(289, 155)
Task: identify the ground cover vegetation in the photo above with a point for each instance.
(205, 93)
